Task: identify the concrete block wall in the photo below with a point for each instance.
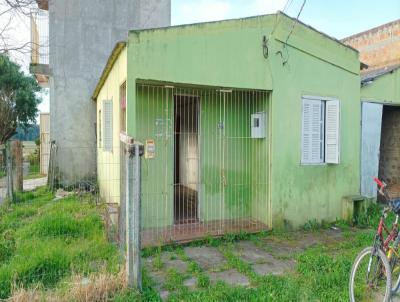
(389, 165)
(379, 46)
(82, 34)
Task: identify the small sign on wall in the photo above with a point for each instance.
(150, 149)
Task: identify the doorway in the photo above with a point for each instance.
(186, 159)
(389, 164)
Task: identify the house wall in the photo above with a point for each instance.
(230, 54)
(108, 163)
(82, 34)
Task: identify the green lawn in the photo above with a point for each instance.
(45, 244)
(34, 171)
(52, 245)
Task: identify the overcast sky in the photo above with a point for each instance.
(337, 18)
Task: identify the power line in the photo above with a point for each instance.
(290, 33)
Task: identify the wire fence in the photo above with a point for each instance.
(57, 231)
(198, 167)
(39, 36)
(205, 168)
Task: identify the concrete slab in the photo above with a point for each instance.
(209, 258)
(231, 277)
(177, 264)
(250, 253)
(190, 283)
(274, 268)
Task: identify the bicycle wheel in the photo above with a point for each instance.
(370, 278)
(394, 263)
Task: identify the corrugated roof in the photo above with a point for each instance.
(369, 76)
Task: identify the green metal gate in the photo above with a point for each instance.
(205, 169)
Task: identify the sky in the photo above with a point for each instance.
(337, 18)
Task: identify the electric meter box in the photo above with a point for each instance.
(258, 123)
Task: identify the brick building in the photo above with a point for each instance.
(379, 47)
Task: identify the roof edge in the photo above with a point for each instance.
(319, 32)
(375, 74)
(371, 30)
(119, 46)
(246, 18)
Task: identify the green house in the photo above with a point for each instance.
(247, 124)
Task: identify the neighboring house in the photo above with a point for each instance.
(71, 40)
(248, 124)
(380, 151)
(380, 97)
(379, 47)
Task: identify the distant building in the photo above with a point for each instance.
(379, 47)
(71, 42)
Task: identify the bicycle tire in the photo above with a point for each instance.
(368, 252)
(396, 285)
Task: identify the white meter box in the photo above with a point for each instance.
(258, 123)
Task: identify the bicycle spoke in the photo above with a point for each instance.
(370, 285)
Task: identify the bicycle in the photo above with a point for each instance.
(381, 259)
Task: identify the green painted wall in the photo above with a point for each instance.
(384, 89)
(229, 54)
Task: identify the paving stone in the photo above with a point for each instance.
(274, 268)
(179, 265)
(231, 277)
(159, 279)
(281, 248)
(250, 253)
(190, 283)
(164, 294)
(209, 258)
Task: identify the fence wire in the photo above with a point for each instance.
(203, 171)
(59, 237)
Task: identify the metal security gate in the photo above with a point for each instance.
(205, 165)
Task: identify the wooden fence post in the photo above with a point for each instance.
(16, 147)
(10, 186)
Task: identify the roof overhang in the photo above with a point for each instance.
(369, 76)
(110, 63)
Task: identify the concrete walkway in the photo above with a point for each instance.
(263, 257)
(29, 185)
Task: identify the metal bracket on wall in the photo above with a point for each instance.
(130, 148)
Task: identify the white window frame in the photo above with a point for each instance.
(326, 158)
(107, 138)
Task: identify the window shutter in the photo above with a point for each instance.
(312, 131)
(332, 129)
(108, 126)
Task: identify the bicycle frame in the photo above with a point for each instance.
(392, 234)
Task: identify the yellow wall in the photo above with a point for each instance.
(108, 171)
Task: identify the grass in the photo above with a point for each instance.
(52, 245)
(44, 243)
(321, 272)
(34, 171)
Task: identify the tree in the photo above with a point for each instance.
(18, 98)
(12, 12)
